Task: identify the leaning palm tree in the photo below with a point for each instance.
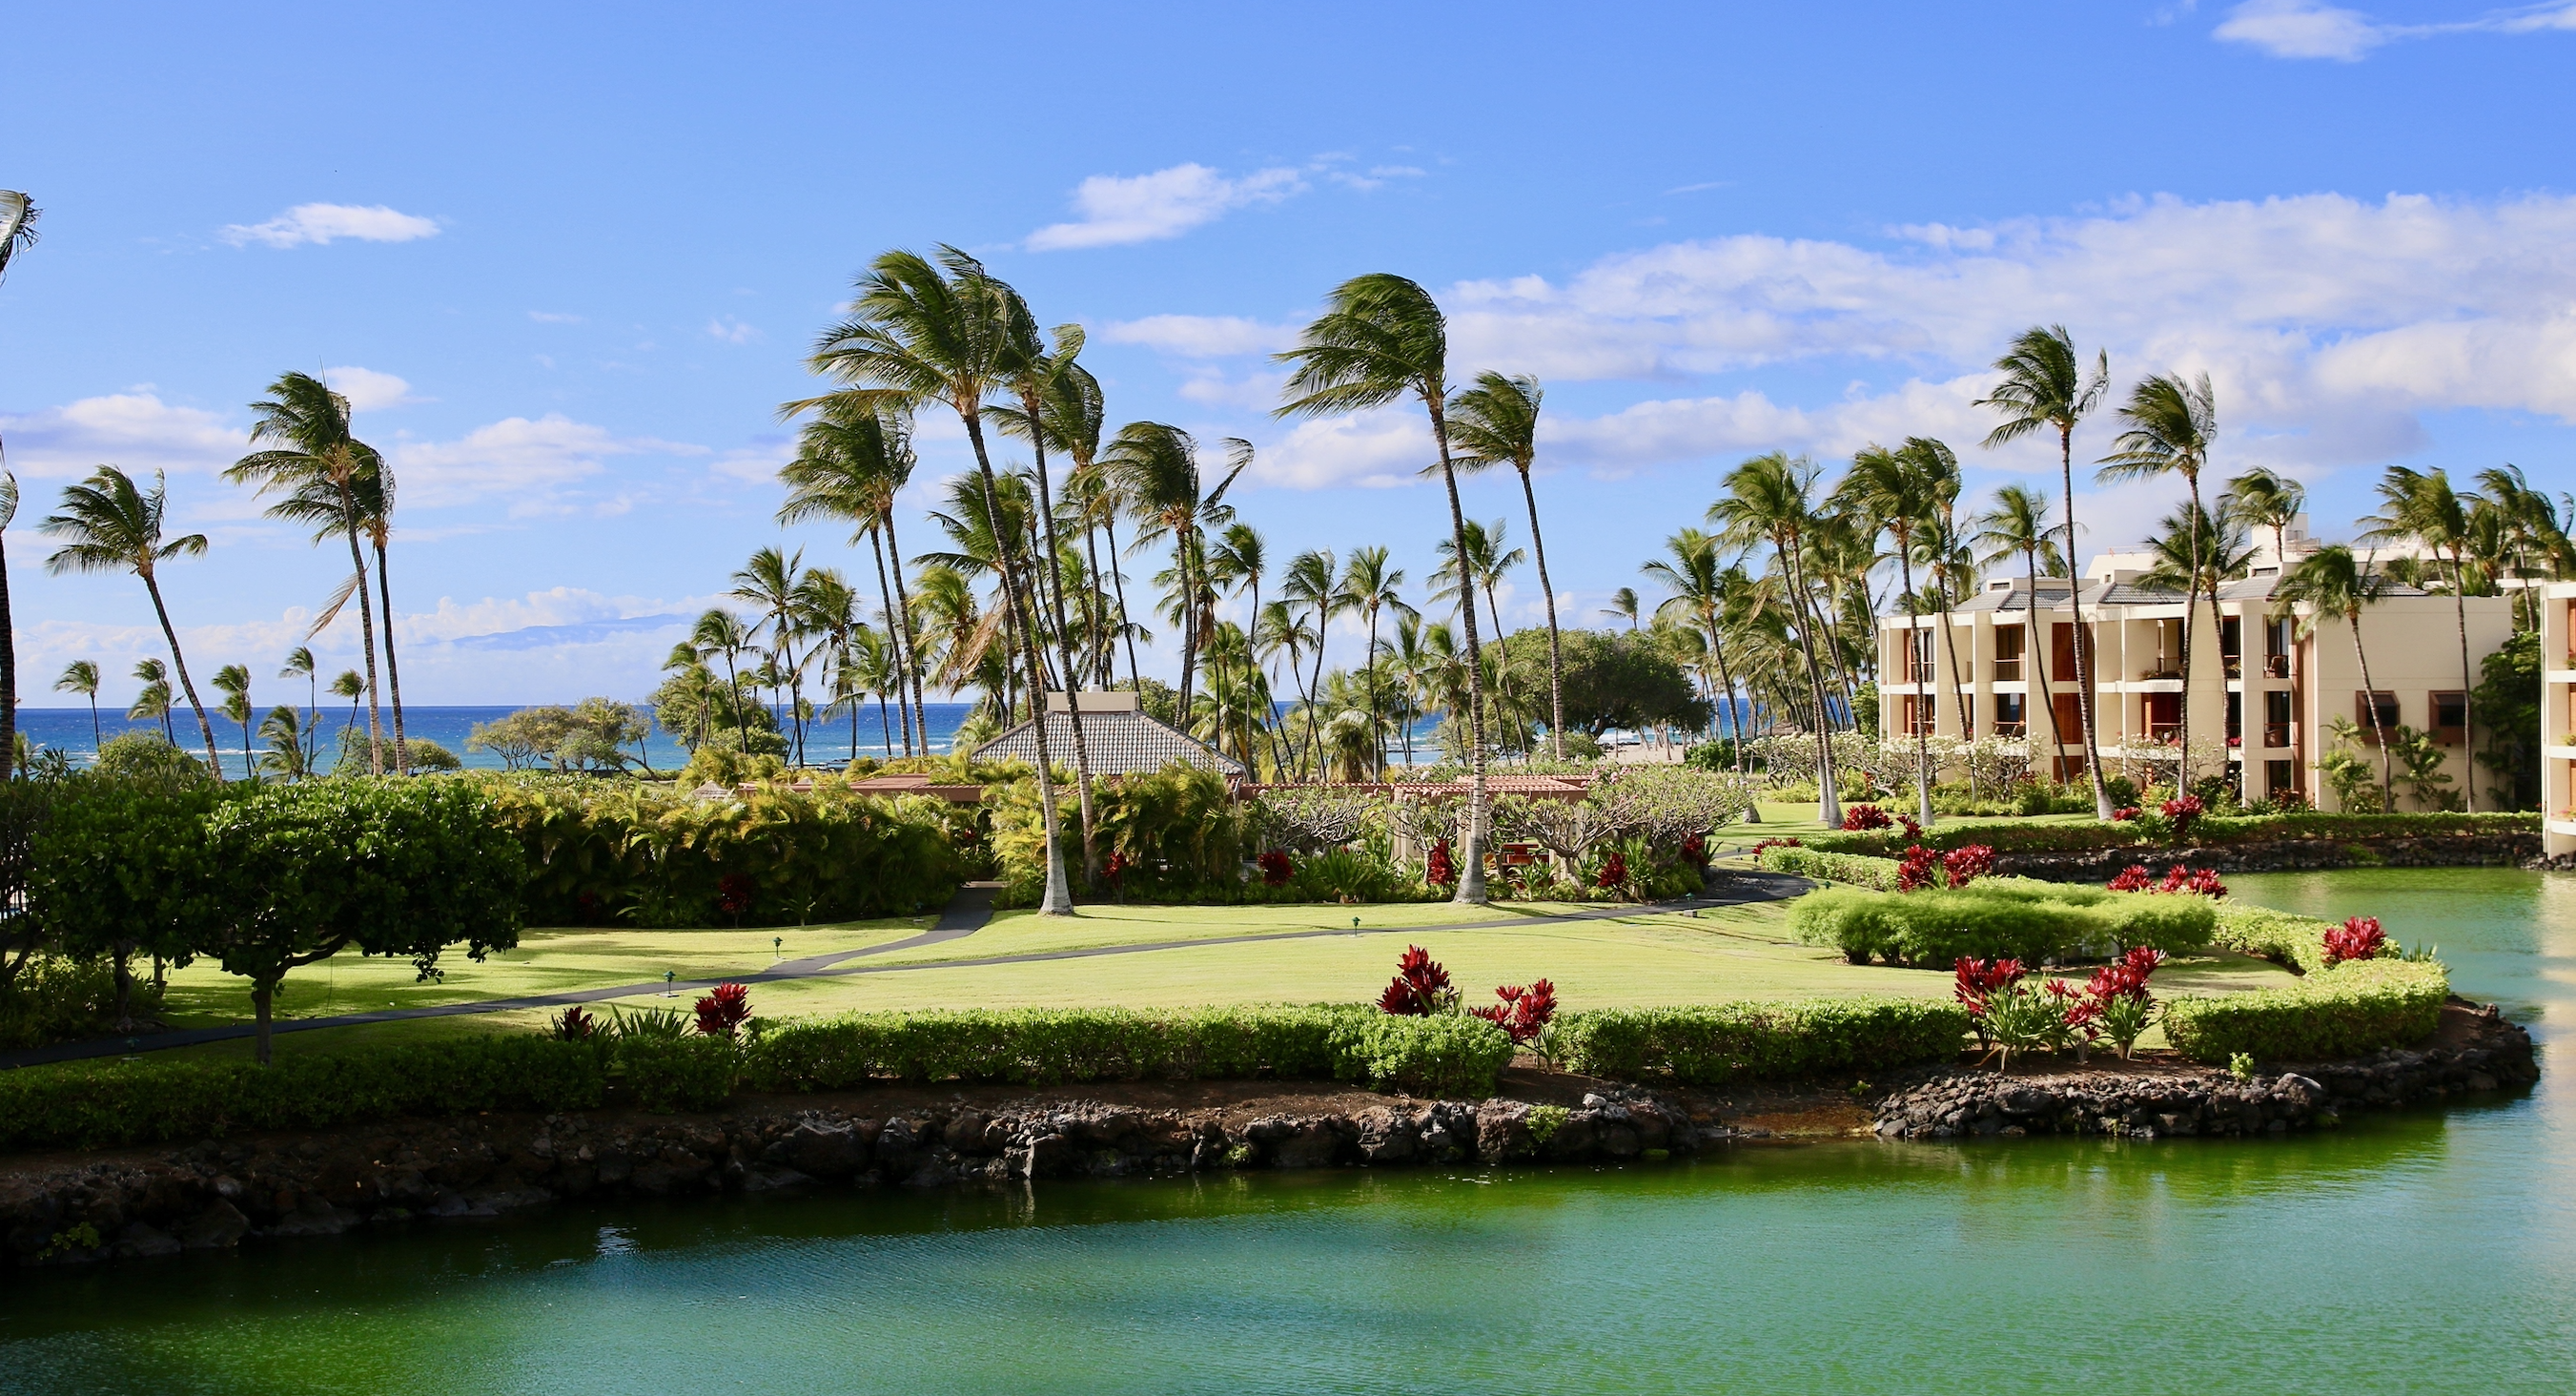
(2420, 504)
(233, 681)
(2018, 527)
(1694, 572)
(299, 665)
(81, 677)
(1496, 423)
(1769, 499)
(2045, 386)
(921, 333)
(1623, 602)
(770, 581)
(850, 462)
(1382, 338)
(1310, 582)
(316, 463)
(2337, 586)
(108, 525)
(720, 631)
(1369, 586)
(2171, 424)
(1885, 490)
(371, 494)
(1157, 470)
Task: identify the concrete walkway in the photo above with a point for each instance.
(965, 914)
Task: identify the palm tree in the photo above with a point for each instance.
(8, 626)
(2172, 423)
(299, 665)
(1157, 470)
(1769, 499)
(152, 701)
(770, 581)
(2044, 385)
(720, 631)
(2018, 527)
(1382, 338)
(351, 685)
(1495, 423)
(2532, 537)
(2337, 586)
(290, 743)
(1369, 586)
(81, 677)
(2422, 505)
(1623, 602)
(1488, 563)
(1276, 631)
(316, 464)
(1309, 581)
(233, 681)
(1694, 571)
(827, 608)
(371, 493)
(1894, 497)
(2265, 500)
(921, 333)
(111, 526)
(1950, 569)
(850, 463)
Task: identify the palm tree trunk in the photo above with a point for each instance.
(393, 674)
(1118, 579)
(2190, 608)
(885, 596)
(909, 651)
(2378, 730)
(367, 636)
(1922, 736)
(186, 685)
(2468, 727)
(1315, 694)
(95, 740)
(1058, 900)
(1555, 650)
(1064, 643)
(1377, 731)
(2075, 605)
(1502, 657)
(8, 677)
(2030, 648)
(1829, 805)
(1471, 870)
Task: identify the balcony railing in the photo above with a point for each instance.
(1919, 671)
(2007, 671)
(2235, 665)
(2016, 731)
(2276, 666)
(2164, 733)
(2277, 734)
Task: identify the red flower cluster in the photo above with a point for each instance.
(1864, 817)
(1966, 865)
(721, 1013)
(2184, 812)
(2125, 977)
(1614, 871)
(1762, 844)
(1275, 868)
(576, 1025)
(1917, 870)
(2356, 939)
(1523, 1013)
(1421, 986)
(2079, 1007)
(1979, 980)
(1695, 849)
(733, 893)
(1912, 829)
(1119, 865)
(1441, 869)
(2201, 881)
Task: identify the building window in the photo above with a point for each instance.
(2450, 718)
(1915, 714)
(2276, 648)
(2010, 719)
(2231, 645)
(2164, 717)
(2276, 718)
(2279, 778)
(2061, 652)
(2236, 719)
(2070, 722)
(1918, 656)
(2383, 700)
(2007, 655)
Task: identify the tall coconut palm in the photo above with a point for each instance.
(1488, 562)
(2532, 534)
(1370, 587)
(1310, 581)
(316, 457)
(1694, 574)
(1770, 499)
(2017, 526)
(2044, 386)
(81, 677)
(233, 681)
(1278, 632)
(1886, 490)
(152, 700)
(850, 463)
(2265, 500)
(299, 665)
(2336, 585)
(1496, 423)
(921, 333)
(1950, 568)
(720, 631)
(371, 493)
(1382, 338)
(351, 685)
(17, 233)
(1168, 494)
(2171, 424)
(769, 581)
(828, 609)
(1623, 602)
(2420, 504)
(108, 525)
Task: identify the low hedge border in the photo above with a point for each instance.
(2342, 1011)
(1998, 918)
(2088, 835)
(1727, 1042)
(1823, 866)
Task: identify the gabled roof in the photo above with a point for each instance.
(1120, 743)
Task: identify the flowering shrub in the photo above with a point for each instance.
(1978, 981)
(1966, 865)
(574, 1026)
(1913, 831)
(2133, 878)
(1276, 870)
(1863, 817)
(1614, 871)
(2183, 814)
(1523, 1013)
(2122, 1005)
(2200, 881)
(1917, 870)
(734, 893)
(2124, 815)
(1695, 849)
(1761, 845)
(1421, 987)
(721, 1013)
(2359, 938)
(1441, 870)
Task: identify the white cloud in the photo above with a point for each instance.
(2313, 29)
(1118, 209)
(1379, 449)
(527, 462)
(553, 317)
(1202, 336)
(135, 431)
(322, 223)
(368, 390)
(731, 330)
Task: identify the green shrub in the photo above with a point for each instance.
(678, 1073)
(55, 998)
(2088, 835)
(2340, 1012)
(106, 1105)
(1832, 867)
(1998, 917)
(1719, 1043)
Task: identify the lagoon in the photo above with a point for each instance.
(2416, 1251)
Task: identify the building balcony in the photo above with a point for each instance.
(2012, 731)
(2279, 734)
(2235, 665)
(2276, 666)
(2008, 671)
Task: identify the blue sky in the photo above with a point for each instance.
(567, 262)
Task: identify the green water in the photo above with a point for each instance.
(2423, 1252)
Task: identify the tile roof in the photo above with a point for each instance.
(1121, 743)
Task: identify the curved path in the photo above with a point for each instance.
(965, 914)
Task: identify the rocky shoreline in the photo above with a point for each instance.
(2502, 850)
(215, 1195)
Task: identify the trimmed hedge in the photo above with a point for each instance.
(1992, 917)
(2341, 1012)
(1823, 866)
(2087, 835)
(1449, 1055)
(1725, 1042)
(146, 1102)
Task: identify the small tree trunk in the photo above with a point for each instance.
(2075, 606)
(262, 994)
(393, 673)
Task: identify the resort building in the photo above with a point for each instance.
(1121, 738)
(2558, 719)
(2263, 696)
